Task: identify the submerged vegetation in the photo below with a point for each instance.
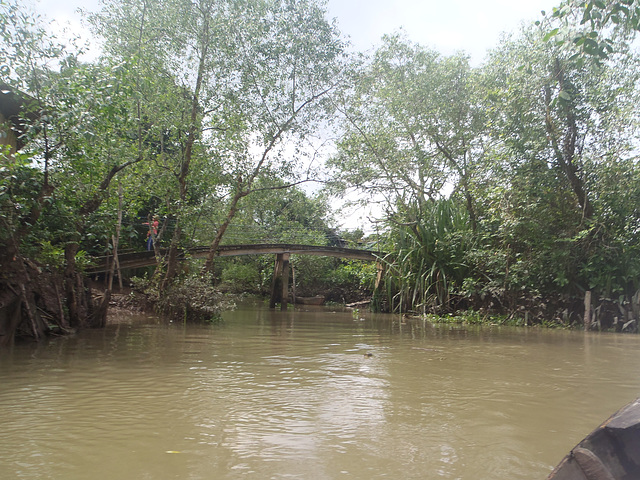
(508, 192)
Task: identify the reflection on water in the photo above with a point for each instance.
(295, 395)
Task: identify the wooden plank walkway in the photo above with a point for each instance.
(145, 259)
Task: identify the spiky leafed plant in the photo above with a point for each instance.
(425, 263)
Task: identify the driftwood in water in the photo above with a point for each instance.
(358, 304)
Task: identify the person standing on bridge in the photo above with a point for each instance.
(153, 231)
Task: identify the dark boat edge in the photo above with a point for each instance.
(610, 452)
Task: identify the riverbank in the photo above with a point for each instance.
(130, 301)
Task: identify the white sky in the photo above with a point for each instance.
(447, 26)
(473, 26)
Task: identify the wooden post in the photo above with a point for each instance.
(379, 274)
(285, 281)
(293, 285)
(117, 240)
(587, 310)
(274, 282)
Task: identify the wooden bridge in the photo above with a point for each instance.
(282, 251)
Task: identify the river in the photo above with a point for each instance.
(317, 394)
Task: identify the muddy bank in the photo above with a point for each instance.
(34, 303)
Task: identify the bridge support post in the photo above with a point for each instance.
(275, 283)
(280, 281)
(285, 281)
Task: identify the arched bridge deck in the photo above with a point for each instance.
(145, 259)
(294, 249)
(282, 251)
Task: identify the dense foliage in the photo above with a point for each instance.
(192, 109)
(509, 187)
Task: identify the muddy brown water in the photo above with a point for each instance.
(296, 395)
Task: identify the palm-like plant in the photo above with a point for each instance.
(427, 260)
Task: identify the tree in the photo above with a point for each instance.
(156, 37)
(415, 132)
(90, 102)
(256, 75)
(288, 67)
(75, 104)
(564, 121)
(25, 57)
(413, 127)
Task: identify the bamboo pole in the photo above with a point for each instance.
(115, 239)
(30, 313)
(293, 286)
(587, 310)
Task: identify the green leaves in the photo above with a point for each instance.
(550, 34)
(564, 95)
(426, 266)
(596, 38)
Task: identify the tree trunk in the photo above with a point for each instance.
(10, 318)
(172, 258)
(172, 261)
(78, 294)
(70, 251)
(565, 153)
(213, 249)
(470, 208)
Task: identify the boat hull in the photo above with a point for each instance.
(611, 452)
(317, 300)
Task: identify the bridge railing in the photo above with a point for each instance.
(253, 234)
(144, 259)
(248, 236)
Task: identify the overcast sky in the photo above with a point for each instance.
(448, 26)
